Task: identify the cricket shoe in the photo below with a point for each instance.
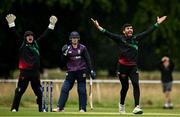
(122, 109)
(57, 110)
(137, 110)
(44, 110)
(166, 106)
(13, 110)
(82, 111)
(171, 106)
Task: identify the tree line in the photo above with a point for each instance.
(75, 15)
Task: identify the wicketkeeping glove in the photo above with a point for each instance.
(65, 49)
(53, 19)
(93, 74)
(10, 19)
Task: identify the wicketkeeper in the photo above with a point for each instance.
(127, 63)
(29, 62)
(78, 65)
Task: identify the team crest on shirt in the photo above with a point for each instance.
(79, 51)
(70, 52)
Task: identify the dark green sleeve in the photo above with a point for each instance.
(44, 34)
(145, 33)
(115, 37)
(16, 34)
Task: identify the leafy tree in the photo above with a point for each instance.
(75, 15)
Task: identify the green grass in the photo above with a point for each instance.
(105, 100)
(152, 100)
(97, 112)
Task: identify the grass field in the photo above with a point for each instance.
(105, 99)
(106, 106)
(97, 112)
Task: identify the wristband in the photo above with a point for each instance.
(11, 25)
(156, 25)
(51, 26)
(102, 30)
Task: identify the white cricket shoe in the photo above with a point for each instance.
(166, 106)
(122, 109)
(13, 110)
(137, 110)
(57, 110)
(170, 105)
(81, 111)
(44, 110)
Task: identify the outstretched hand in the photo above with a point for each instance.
(11, 20)
(161, 19)
(53, 19)
(95, 22)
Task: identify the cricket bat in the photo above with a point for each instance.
(90, 94)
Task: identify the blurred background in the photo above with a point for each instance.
(75, 15)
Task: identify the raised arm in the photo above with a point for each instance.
(10, 18)
(152, 28)
(115, 37)
(52, 22)
(97, 24)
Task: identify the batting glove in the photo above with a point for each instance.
(10, 19)
(53, 19)
(93, 74)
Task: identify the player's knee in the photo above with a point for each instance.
(125, 87)
(81, 90)
(136, 85)
(39, 92)
(65, 89)
(39, 95)
(19, 91)
(66, 86)
(39, 99)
